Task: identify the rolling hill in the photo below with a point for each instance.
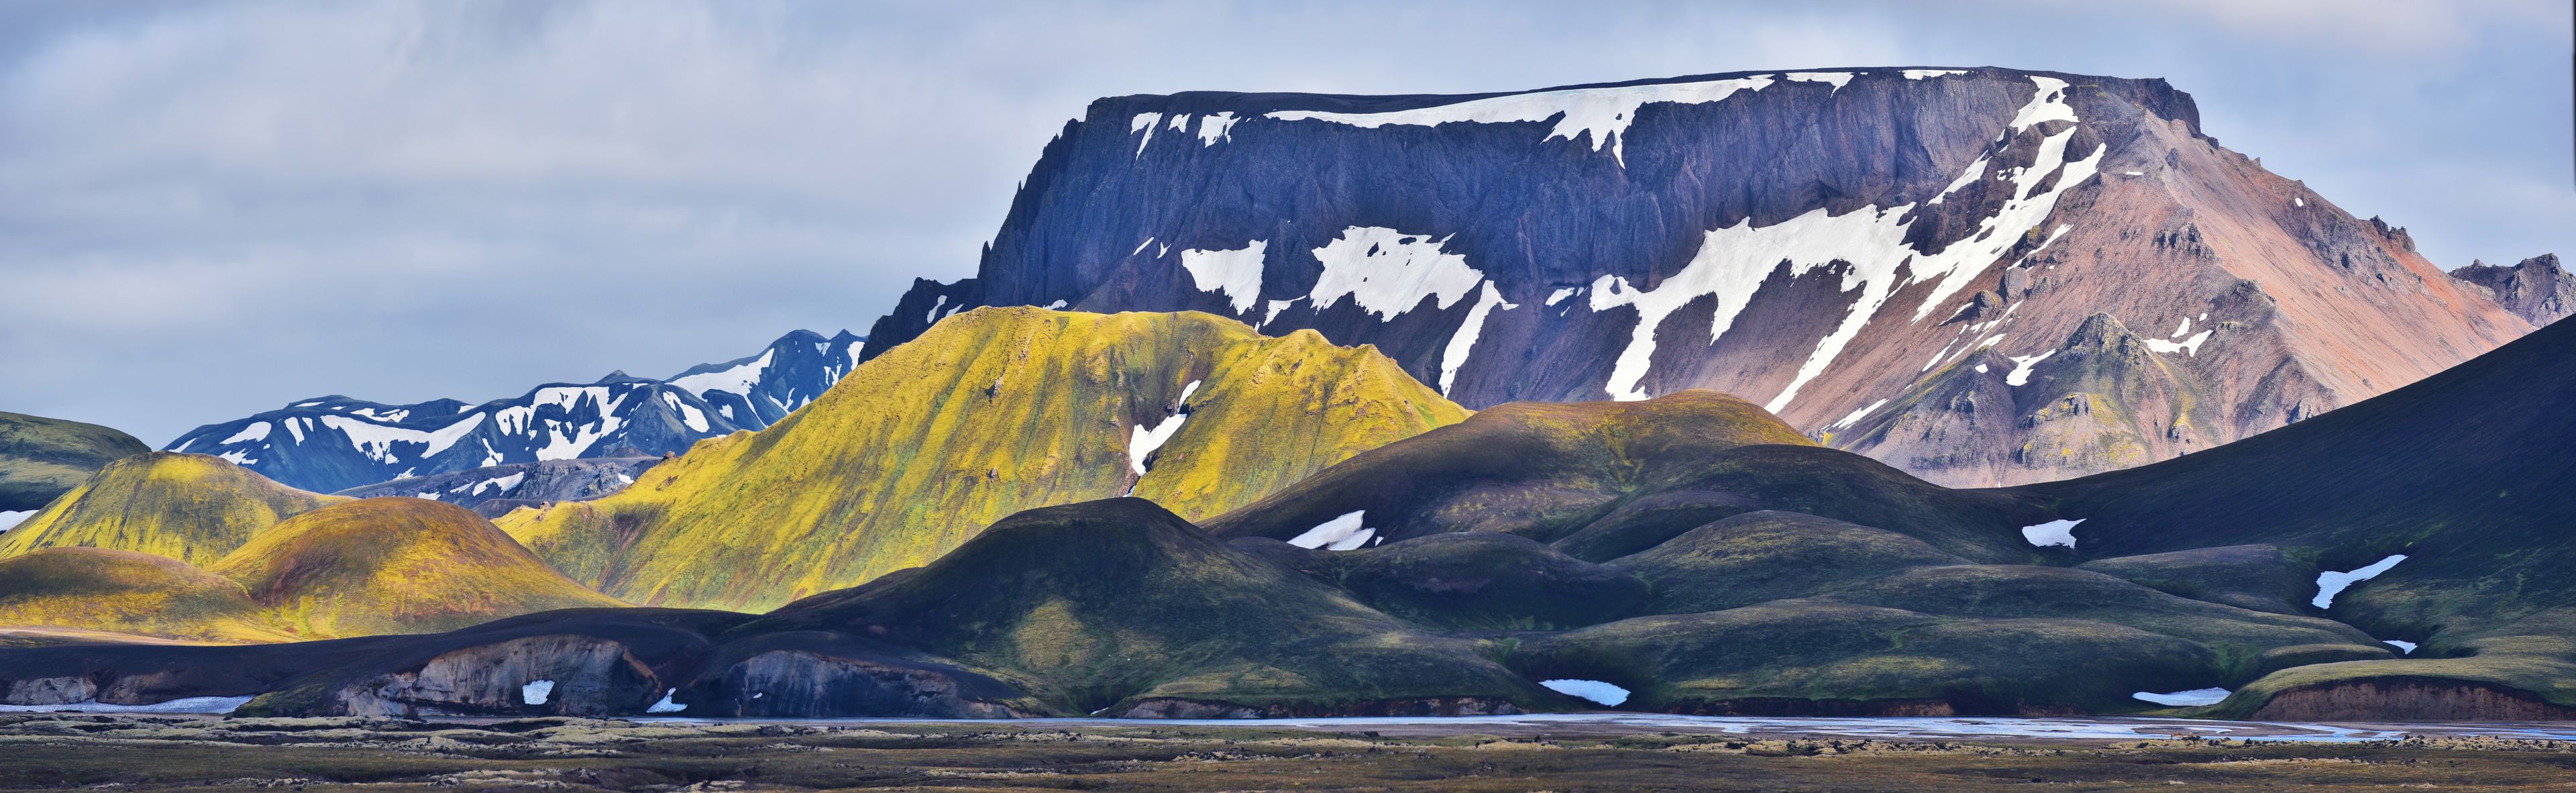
(189, 507)
(41, 458)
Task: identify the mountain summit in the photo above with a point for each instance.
(1896, 261)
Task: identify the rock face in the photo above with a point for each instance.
(2538, 289)
(1823, 243)
(563, 675)
(494, 491)
(2409, 700)
(337, 443)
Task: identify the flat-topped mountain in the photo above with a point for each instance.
(1899, 262)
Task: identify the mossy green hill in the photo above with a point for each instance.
(130, 593)
(1121, 606)
(396, 565)
(2467, 474)
(373, 566)
(993, 411)
(189, 507)
(41, 458)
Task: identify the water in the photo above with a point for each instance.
(2083, 728)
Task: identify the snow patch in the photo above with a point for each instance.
(536, 692)
(1388, 272)
(1981, 368)
(1056, 306)
(2190, 345)
(1919, 74)
(1601, 113)
(2193, 698)
(1235, 273)
(737, 380)
(1142, 442)
(2331, 583)
(1857, 414)
(502, 484)
(666, 705)
(1276, 306)
(295, 426)
(933, 316)
(2185, 328)
(239, 457)
(1594, 690)
(1339, 534)
(2022, 364)
(1463, 342)
(1554, 297)
(257, 431)
(1838, 79)
(1143, 122)
(2403, 648)
(2055, 532)
(1213, 128)
(2298, 201)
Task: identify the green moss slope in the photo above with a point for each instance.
(396, 565)
(1104, 605)
(188, 507)
(993, 411)
(41, 458)
(131, 593)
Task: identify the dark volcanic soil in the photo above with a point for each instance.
(127, 753)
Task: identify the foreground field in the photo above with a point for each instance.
(158, 753)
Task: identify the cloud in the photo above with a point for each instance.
(208, 209)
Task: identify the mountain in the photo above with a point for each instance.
(2464, 475)
(41, 458)
(495, 490)
(337, 443)
(757, 391)
(995, 412)
(2538, 289)
(188, 507)
(395, 565)
(1843, 240)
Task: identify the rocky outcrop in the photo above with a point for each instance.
(2404, 699)
(580, 676)
(1819, 242)
(2538, 289)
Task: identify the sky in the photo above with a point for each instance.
(209, 209)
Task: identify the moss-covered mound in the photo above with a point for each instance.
(188, 507)
(1772, 555)
(129, 592)
(1488, 581)
(1602, 480)
(993, 411)
(1121, 606)
(396, 565)
(2466, 474)
(42, 458)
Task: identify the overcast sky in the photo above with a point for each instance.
(211, 209)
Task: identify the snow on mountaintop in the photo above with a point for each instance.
(335, 443)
